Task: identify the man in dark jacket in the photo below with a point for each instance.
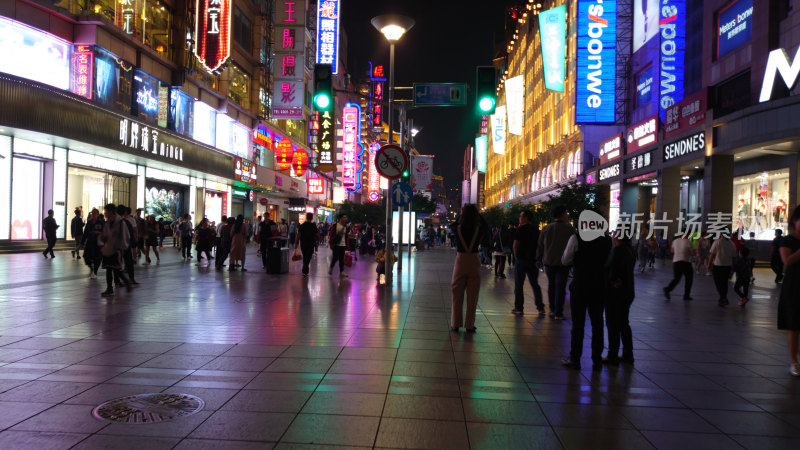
(587, 293)
(49, 226)
(524, 249)
(76, 228)
(552, 243)
(620, 297)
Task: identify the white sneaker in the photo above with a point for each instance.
(90, 273)
(93, 276)
(794, 369)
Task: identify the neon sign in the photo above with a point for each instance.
(328, 33)
(480, 153)
(351, 134)
(596, 61)
(126, 16)
(300, 162)
(673, 38)
(316, 186)
(284, 154)
(82, 70)
(212, 29)
(325, 159)
(374, 183)
(263, 137)
(552, 28)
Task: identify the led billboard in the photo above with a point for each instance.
(552, 30)
(596, 61)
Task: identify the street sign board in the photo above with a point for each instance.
(402, 194)
(440, 94)
(391, 161)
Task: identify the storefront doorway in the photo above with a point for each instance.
(215, 205)
(88, 189)
(26, 199)
(760, 203)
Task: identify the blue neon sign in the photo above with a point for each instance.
(328, 33)
(734, 26)
(481, 146)
(552, 30)
(673, 47)
(596, 61)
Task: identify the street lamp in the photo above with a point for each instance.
(393, 26)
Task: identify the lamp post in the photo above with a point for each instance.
(393, 26)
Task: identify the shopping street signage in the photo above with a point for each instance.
(212, 29)
(141, 137)
(611, 149)
(328, 33)
(608, 172)
(686, 114)
(673, 47)
(643, 134)
(638, 162)
(685, 146)
(596, 61)
(778, 64)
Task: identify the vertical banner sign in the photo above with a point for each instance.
(421, 173)
(283, 154)
(515, 104)
(374, 183)
(596, 61)
(163, 105)
(553, 33)
(326, 161)
(673, 47)
(351, 118)
(212, 27)
(376, 105)
(289, 59)
(499, 130)
(328, 33)
(125, 16)
(480, 153)
(82, 70)
(299, 162)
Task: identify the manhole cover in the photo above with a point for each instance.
(149, 408)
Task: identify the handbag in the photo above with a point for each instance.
(296, 256)
(348, 259)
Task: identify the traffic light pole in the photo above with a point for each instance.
(388, 263)
(400, 208)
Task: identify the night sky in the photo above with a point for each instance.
(447, 42)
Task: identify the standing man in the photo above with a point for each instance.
(115, 239)
(185, 230)
(723, 252)
(587, 293)
(524, 248)
(267, 229)
(682, 253)
(550, 249)
(49, 226)
(76, 228)
(776, 264)
(338, 243)
(141, 232)
(307, 238)
(131, 249)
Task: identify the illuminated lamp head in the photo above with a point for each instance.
(486, 104)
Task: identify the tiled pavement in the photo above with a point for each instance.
(285, 362)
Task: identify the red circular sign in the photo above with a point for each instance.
(391, 161)
(263, 201)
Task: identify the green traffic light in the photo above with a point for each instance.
(322, 101)
(486, 104)
(405, 173)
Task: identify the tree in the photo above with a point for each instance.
(362, 212)
(494, 216)
(576, 197)
(422, 205)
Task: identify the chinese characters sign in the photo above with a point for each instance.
(244, 170)
(422, 171)
(82, 73)
(288, 87)
(374, 183)
(300, 162)
(640, 162)
(686, 114)
(213, 32)
(328, 33)
(137, 136)
(351, 135)
(643, 134)
(126, 16)
(326, 161)
(611, 149)
(263, 137)
(284, 154)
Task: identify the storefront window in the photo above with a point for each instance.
(88, 189)
(163, 202)
(242, 30)
(181, 113)
(205, 123)
(26, 199)
(156, 22)
(239, 86)
(760, 203)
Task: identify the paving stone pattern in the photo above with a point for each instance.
(287, 362)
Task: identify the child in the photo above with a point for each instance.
(380, 258)
(744, 272)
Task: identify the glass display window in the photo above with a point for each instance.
(239, 86)
(113, 85)
(163, 202)
(760, 203)
(156, 23)
(88, 189)
(26, 199)
(181, 113)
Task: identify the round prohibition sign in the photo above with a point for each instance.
(391, 161)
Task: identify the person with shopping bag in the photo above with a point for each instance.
(307, 237)
(338, 242)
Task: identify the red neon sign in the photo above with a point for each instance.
(350, 120)
(374, 183)
(377, 72)
(82, 73)
(316, 186)
(212, 28)
(300, 162)
(283, 154)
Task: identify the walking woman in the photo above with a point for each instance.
(470, 230)
(619, 300)
(789, 303)
(205, 240)
(92, 243)
(152, 231)
(239, 235)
